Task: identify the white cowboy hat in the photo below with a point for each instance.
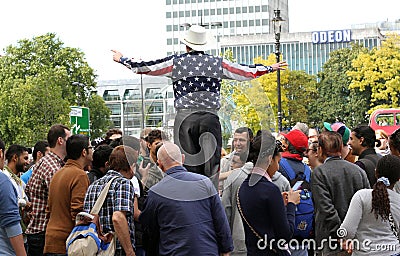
(198, 39)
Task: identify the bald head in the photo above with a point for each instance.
(169, 155)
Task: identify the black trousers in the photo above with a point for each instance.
(198, 134)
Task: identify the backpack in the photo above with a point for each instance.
(86, 238)
(304, 216)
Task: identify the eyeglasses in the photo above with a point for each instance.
(310, 149)
(90, 147)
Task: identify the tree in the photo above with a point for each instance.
(99, 116)
(300, 90)
(334, 100)
(378, 73)
(36, 88)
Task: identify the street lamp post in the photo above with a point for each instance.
(277, 31)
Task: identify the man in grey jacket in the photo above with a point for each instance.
(333, 184)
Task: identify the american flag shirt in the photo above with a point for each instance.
(196, 76)
(37, 190)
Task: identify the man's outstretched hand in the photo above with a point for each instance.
(117, 55)
(280, 65)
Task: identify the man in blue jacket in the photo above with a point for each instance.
(186, 210)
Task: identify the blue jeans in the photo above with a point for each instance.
(36, 244)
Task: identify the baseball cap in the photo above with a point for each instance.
(298, 139)
(341, 129)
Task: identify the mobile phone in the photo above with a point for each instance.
(297, 185)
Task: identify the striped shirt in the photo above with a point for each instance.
(197, 76)
(37, 190)
(119, 198)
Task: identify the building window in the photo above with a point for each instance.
(153, 93)
(232, 24)
(115, 108)
(110, 95)
(238, 10)
(245, 23)
(187, 13)
(200, 12)
(180, 1)
(132, 94)
(194, 13)
(244, 9)
(132, 108)
(132, 122)
(168, 2)
(154, 107)
(258, 9)
(175, 14)
(258, 23)
(264, 22)
(168, 15)
(181, 14)
(225, 10)
(251, 9)
(154, 121)
(206, 12)
(193, 1)
(219, 11)
(212, 12)
(231, 10)
(251, 23)
(264, 8)
(238, 23)
(116, 121)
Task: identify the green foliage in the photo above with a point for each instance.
(334, 100)
(301, 90)
(99, 116)
(378, 73)
(36, 88)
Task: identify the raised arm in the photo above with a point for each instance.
(160, 67)
(239, 72)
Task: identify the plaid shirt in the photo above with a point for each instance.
(37, 190)
(119, 198)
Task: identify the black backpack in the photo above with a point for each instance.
(304, 217)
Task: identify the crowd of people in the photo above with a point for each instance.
(303, 192)
(156, 206)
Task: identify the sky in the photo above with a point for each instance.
(135, 27)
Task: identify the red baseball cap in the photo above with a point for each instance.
(298, 139)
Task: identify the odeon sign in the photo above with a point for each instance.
(331, 36)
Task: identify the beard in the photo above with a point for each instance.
(20, 167)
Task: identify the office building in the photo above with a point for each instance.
(224, 18)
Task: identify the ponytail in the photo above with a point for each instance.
(380, 199)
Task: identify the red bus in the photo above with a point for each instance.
(387, 119)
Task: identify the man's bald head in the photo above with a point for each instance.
(169, 155)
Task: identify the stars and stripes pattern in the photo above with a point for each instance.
(197, 76)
